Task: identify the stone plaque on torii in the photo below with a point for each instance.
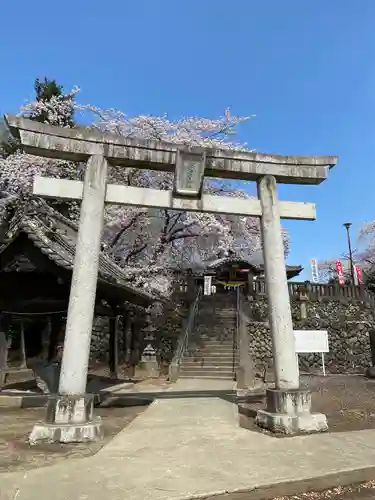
(190, 166)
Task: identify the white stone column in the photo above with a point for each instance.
(84, 280)
(285, 359)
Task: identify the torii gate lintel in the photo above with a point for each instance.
(79, 144)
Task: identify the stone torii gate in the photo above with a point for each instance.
(70, 412)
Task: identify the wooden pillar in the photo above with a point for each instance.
(250, 281)
(22, 345)
(113, 346)
(125, 336)
(46, 338)
(133, 347)
(4, 345)
(55, 323)
(127, 341)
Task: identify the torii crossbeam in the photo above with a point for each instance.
(190, 166)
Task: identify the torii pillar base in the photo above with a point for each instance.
(289, 412)
(69, 419)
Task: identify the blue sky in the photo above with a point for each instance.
(306, 69)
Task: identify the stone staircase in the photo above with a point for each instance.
(210, 353)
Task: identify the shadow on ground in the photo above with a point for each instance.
(112, 400)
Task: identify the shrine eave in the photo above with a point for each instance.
(46, 230)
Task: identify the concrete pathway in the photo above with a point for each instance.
(191, 447)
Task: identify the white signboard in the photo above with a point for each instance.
(307, 341)
(207, 285)
(314, 271)
(310, 341)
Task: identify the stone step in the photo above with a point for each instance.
(218, 305)
(217, 342)
(206, 369)
(214, 319)
(219, 364)
(217, 338)
(213, 333)
(217, 308)
(216, 349)
(225, 356)
(212, 362)
(216, 322)
(216, 315)
(210, 354)
(218, 297)
(217, 328)
(206, 374)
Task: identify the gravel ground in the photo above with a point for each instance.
(348, 401)
(364, 491)
(15, 425)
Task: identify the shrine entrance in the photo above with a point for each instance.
(229, 274)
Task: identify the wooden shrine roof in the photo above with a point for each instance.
(56, 236)
(257, 267)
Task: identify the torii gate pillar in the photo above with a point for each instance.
(285, 359)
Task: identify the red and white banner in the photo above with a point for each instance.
(358, 272)
(340, 273)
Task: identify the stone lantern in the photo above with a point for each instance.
(302, 297)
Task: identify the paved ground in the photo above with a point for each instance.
(183, 447)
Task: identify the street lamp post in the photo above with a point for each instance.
(347, 226)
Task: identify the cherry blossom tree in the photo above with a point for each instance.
(366, 254)
(366, 238)
(145, 242)
(327, 271)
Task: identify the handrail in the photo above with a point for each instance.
(184, 340)
(236, 336)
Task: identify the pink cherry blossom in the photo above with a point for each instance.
(147, 243)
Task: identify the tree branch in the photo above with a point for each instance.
(117, 237)
(136, 251)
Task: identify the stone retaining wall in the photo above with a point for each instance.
(99, 349)
(100, 339)
(167, 335)
(348, 324)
